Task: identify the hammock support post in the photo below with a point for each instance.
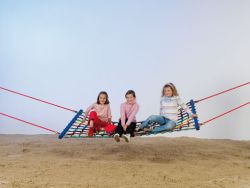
(70, 124)
(196, 121)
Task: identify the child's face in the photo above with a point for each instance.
(168, 92)
(102, 99)
(130, 98)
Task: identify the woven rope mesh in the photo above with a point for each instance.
(79, 130)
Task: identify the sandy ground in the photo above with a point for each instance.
(45, 161)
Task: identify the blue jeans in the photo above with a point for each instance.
(165, 123)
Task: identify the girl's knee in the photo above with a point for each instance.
(92, 113)
(152, 117)
(171, 125)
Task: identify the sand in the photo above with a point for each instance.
(44, 161)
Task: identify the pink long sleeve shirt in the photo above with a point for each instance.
(128, 111)
(103, 111)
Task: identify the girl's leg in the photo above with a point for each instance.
(110, 128)
(119, 129)
(91, 128)
(168, 126)
(97, 124)
(93, 118)
(153, 119)
(131, 129)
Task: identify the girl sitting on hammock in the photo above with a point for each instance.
(170, 101)
(127, 122)
(99, 115)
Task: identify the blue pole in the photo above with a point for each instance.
(70, 124)
(196, 121)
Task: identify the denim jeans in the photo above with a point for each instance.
(165, 123)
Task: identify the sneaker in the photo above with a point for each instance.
(148, 129)
(137, 129)
(126, 137)
(117, 137)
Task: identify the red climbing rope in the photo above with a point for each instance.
(211, 96)
(35, 125)
(236, 108)
(38, 99)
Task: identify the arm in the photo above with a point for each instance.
(109, 114)
(123, 117)
(185, 108)
(133, 113)
(87, 112)
(160, 106)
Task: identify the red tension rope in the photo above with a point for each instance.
(236, 108)
(38, 99)
(24, 95)
(35, 125)
(222, 92)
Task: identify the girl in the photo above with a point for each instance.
(99, 115)
(170, 101)
(127, 122)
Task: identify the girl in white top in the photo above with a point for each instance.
(170, 101)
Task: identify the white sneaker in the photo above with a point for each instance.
(117, 137)
(126, 137)
(137, 129)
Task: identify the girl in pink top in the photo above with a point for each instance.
(100, 115)
(127, 122)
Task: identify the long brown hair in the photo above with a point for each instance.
(103, 93)
(172, 87)
(132, 92)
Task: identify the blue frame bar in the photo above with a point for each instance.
(70, 124)
(196, 121)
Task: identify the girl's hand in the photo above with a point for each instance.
(109, 120)
(125, 127)
(194, 116)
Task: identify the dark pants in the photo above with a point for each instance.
(130, 129)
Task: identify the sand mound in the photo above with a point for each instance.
(45, 161)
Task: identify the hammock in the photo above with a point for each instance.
(79, 129)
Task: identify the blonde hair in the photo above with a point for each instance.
(172, 87)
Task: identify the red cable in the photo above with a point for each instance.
(222, 92)
(38, 100)
(225, 113)
(76, 111)
(35, 125)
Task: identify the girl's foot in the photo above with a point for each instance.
(126, 137)
(138, 129)
(117, 137)
(149, 129)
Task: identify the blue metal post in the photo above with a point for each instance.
(70, 124)
(196, 121)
